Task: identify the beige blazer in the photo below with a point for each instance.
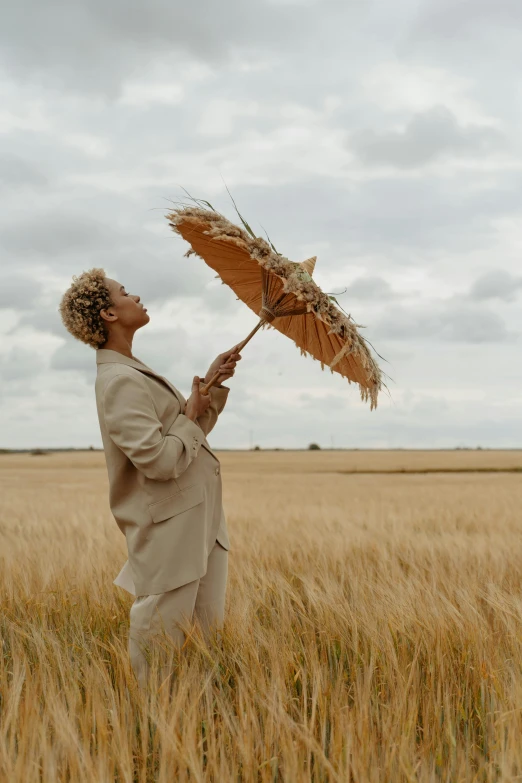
(164, 479)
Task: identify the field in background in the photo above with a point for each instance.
(373, 628)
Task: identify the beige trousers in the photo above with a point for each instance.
(151, 614)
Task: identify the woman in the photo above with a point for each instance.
(164, 479)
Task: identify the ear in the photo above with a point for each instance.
(107, 315)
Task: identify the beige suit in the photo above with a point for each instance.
(165, 487)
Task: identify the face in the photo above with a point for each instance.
(127, 310)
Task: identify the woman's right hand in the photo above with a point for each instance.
(197, 403)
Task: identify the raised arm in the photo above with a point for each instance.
(134, 427)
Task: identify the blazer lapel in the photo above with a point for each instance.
(105, 355)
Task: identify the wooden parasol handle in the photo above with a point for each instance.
(240, 347)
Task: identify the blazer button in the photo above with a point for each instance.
(217, 471)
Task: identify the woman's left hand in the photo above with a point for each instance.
(226, 363)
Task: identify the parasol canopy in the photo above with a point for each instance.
(283, 293)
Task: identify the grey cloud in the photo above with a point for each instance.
(448, 19)
(73, 355)
(370, 288)
(391, 214)
(221, 298)
(42, 319)
(394, 214)
(428, 135)
(475, 39)
(473, 326)
(93, 44)
(16, 172)
(56, 235)
(19, 364)
(159, 276)
(497, 284)
(454, 321)
(19, 291)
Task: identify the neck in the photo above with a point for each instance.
(121, 343)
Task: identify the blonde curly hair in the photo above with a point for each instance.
(81, 304)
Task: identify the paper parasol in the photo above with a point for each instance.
(283, 294)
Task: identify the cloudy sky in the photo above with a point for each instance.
(382, 137)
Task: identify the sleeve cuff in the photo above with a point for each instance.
(188, 432)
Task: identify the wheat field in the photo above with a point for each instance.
(372, 633)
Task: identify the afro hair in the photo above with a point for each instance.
(81, 304)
